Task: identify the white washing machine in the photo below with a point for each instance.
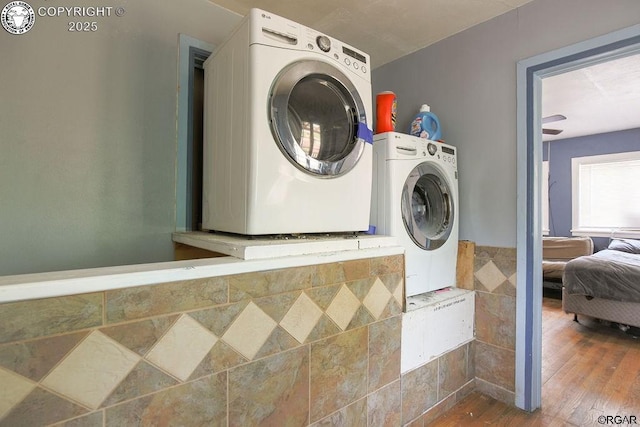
(415, 199)
(287, 140)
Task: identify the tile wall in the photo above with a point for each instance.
(315, 345)
(495, 285)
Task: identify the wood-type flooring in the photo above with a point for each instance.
(590, 377)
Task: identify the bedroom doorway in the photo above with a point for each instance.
(530, 73)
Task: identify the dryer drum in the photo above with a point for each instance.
(314, 114)
(426, 206)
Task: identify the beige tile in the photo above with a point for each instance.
(329, 274)
(343, 307)
(384, 352)
(362, 317)
(360, 288)
(41, 408)
(398, 292)
(354, 415)
(278, 305)
(279, 341)
(393, 309)
(377, 298)
(385, 406)
(496, 319)
(273, 391)
(486, 252)
(92, 370)
(147, 301)
(495, 391)
(141, 336)
(94, 419)
(221, 357)
(357, 269)
(143, 379)
(338, 372)
(39, 318)
(490, 276)
(505, 260)
(438, 410)
(267, 283)
(218, 319)
(182, 348)
(248, 333)
(301, 318)
(386, 265)
(495, 365)
(324, 329)
(14, 388)
(197, 403)
(34, 359)
(323, 296)
(452, 371)
(419, 390)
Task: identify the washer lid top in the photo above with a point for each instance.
(316, 113)
(427, 206)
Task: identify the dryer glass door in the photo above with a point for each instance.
(427, 206)
(315, 114)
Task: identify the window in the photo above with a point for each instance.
(606, 195)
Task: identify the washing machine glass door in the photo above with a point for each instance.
(427, 206)
(315, 114)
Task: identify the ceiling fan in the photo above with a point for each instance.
(550, 119)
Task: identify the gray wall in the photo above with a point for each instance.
(88, 145)
(470, 82)
(561, 152)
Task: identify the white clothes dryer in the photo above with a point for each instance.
(287, 141)
(415, 199)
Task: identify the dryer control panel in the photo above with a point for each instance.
(273, 30)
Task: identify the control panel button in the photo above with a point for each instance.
(355, 65)
(431, 147)
(364, 69)
(347, 61)
(324, 43)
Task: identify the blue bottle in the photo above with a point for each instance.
(426, 125)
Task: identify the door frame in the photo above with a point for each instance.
(192, 53)
(530, 72)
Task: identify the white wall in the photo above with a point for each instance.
(470, 82)
(88, 143)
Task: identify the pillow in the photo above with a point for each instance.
(625, 245)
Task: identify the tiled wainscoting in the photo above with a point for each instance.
(306, 345)
(495, 285)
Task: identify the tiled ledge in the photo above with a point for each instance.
(72, 282)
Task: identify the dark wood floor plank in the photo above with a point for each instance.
(590, 369)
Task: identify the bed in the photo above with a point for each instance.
(556, 252)
(605, 285)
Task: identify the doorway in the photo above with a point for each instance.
(530, 73)
(192, 54)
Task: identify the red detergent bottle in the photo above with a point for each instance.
(386, 107)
